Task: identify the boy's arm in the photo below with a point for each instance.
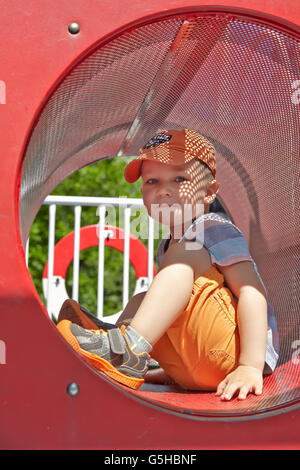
(243, 281)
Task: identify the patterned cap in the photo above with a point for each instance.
(173, 147)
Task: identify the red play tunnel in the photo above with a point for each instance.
(71, 95)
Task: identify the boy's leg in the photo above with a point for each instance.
(151, 313)
(167, 296)
(125, 351)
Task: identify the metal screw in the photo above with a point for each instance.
(74, 28)
(73, 389)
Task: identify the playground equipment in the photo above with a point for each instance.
(63, 256)
(80, 83)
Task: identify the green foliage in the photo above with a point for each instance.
(104, 179)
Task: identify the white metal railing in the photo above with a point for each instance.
(101, 203)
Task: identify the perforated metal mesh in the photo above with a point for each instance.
(224, 76)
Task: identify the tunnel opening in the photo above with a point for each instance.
(229, 77)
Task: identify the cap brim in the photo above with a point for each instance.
(133, 170)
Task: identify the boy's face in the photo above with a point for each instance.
(176, 190)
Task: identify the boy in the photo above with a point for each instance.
(205, 316)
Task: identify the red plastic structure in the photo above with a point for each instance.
(81, 81)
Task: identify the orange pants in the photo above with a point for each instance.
(202, 345)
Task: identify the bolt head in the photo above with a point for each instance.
(73, 389)
(74, 28)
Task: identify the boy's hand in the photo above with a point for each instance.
(246, 379)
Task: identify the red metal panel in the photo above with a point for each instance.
(36, 364)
